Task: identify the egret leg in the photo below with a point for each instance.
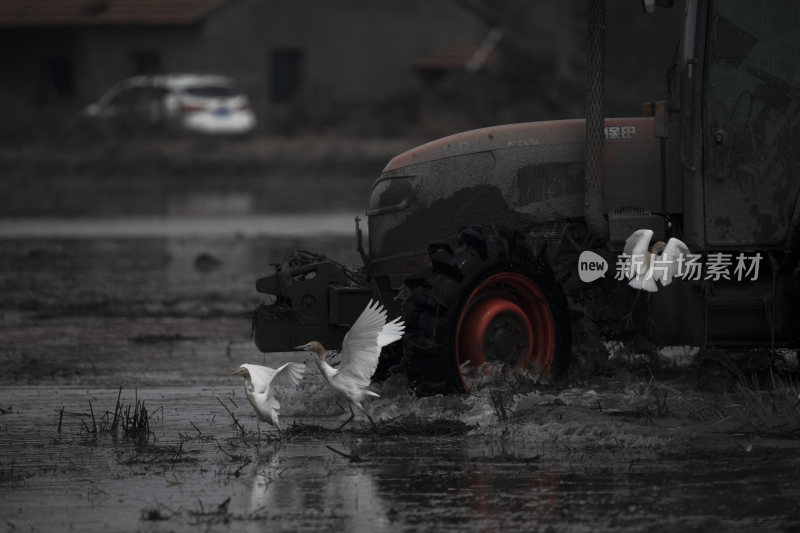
(352, 415)
(628, 318)
(370, 420)
(651, 324)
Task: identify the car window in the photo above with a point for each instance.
(209, 91)
(157, 94)
(138, 95)
(128, 97)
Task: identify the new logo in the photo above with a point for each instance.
(591, 266)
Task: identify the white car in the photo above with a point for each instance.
(206, 103)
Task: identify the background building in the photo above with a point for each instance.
(322, 60)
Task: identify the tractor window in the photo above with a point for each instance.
(754, 58)
(752, 110)
(763, 36)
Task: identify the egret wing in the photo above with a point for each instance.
(289, 374)
(636, 246)
(260, 377)
(360, 348)
(673, 251)
(392, 331)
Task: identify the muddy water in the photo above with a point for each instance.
(161, 317)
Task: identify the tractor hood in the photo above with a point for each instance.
(493, 138)
(518, 175)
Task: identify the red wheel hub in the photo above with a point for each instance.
(506, 320)
(496, 329)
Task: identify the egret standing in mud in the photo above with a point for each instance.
(361, 349)
(260, 383)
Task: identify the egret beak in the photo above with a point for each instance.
(239, 372)
(303, 347)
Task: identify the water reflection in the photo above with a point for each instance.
(422, 484)
(494, 494)
(260, 492)
(314, 490)
(479, 494)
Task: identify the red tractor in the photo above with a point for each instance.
(473, 237)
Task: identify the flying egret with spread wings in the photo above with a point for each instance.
(260, 383)
(361, 349)
(649, 264)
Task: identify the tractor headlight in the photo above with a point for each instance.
(392, 194)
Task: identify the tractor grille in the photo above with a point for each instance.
(630, 211)
(542, 181)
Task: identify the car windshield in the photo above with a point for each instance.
(212, 91)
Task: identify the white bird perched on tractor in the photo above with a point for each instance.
(260, 383)
(649, 264)
(361, 349)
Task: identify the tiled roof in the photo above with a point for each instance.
(49, 13)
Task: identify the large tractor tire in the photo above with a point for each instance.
(488, 296)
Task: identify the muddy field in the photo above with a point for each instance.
(97, 324)
(143, 312)
(114, 175)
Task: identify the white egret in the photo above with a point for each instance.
(672, 255)
(260, 383)
(361, 349)
(649, 264)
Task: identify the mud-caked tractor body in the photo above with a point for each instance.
(475, 238)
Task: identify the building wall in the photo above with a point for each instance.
(33, 64)
(353, 50)
(105, 56)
